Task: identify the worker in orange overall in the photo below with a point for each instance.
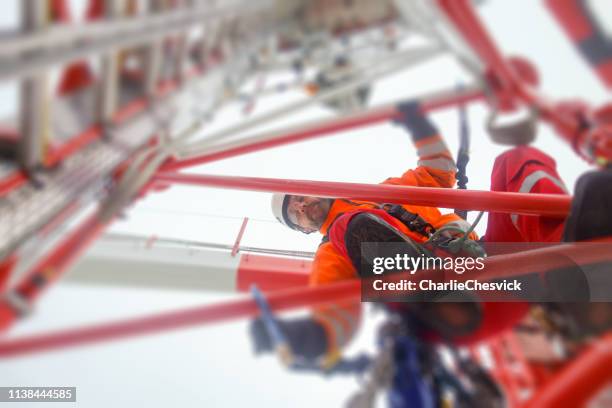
(346, 223)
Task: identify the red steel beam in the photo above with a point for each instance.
(15, 180)
(500, 266)
(510, 86)
(50, 268)
(463, 15)
(578, 381)
(580, 25)
(323, 128)
(239, 236)
(551, 205)
(271, 273)
(543, 259)
(309, 132)
(55, 156)
(279, 301)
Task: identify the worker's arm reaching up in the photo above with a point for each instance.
(322, 335)
(436, 166)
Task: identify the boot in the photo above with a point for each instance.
(365, 239)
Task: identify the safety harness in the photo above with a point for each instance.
(413, 221)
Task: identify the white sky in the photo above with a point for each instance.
(214, 366)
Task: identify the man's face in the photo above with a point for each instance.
(308, 213)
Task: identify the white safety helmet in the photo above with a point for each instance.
(280, 201)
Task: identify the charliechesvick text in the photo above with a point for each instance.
(534, 272)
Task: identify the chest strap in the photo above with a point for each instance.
(413, 221)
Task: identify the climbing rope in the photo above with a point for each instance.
(463, 156)
(458, 245)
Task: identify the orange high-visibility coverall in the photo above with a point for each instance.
(436, 168)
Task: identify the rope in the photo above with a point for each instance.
(463, 244)
(463, 156)
(380, 376)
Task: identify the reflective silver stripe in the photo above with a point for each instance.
(432, 148)
(350, 320)
(341, 337)
(440, 164)
(530, 181)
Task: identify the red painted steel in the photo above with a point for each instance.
(579, 380)
(551, 205)
(58, 154)
(239, 236)
(13, 181)
(319, 130)
(279, 301)
(271, 273)
(577, 21)
(6, 266)
(463, 15)
(533, 261)
(451, 102)
(50, 268)
(569, 14)
(590, 142)
(77, 75)
(573, 386)
(323, 128)
(68, 251)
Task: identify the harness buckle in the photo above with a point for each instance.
(413, 221)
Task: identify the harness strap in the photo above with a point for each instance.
(413, 221)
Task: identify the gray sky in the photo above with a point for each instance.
(214, 366)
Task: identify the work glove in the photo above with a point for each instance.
(410, 108)
(414, 120)
(307, 338)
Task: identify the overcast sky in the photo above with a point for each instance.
(214, 366)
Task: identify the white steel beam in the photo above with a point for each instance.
(109, 80)
(150, 262)
(27, 54)
(34, 117)
(117, 262)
